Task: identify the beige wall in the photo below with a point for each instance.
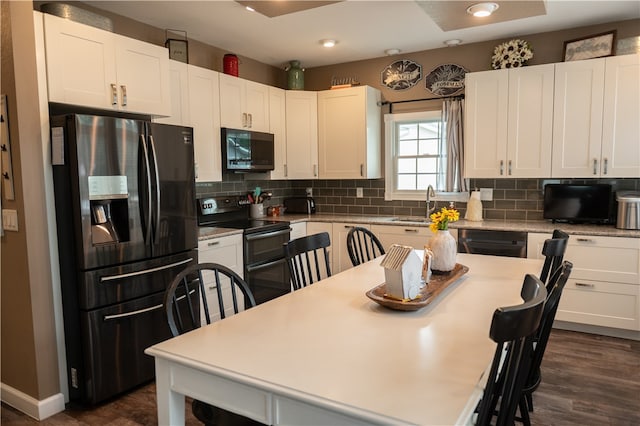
(28, 337)
(29, 358)
(548, 48)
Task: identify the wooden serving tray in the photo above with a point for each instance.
(427, 294)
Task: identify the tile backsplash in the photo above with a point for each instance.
(517, 199)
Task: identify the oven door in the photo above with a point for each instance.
(268, 280)
(265, 268)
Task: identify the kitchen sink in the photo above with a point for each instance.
(409, 219)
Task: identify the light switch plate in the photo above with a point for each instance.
(10, 220)
(359, 193)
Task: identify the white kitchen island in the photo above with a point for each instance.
(328, 355)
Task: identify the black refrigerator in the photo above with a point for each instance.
(126, 219)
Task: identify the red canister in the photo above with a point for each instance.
(230, 64)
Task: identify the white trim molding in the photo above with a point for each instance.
(30, 406)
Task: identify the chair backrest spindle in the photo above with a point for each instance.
(363, 245)
(304, 256)
(187, 294)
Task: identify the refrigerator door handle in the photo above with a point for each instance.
(144, 271)
(141, 311)
(157, 181)
(147, 237)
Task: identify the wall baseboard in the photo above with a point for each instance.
(32, 407)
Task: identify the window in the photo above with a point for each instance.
(415, 153)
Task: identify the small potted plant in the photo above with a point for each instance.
(443, 245)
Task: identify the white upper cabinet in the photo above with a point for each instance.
(577, 125)
(302, 135)
(508, 126)
(91, 67)
(204, 108)
(179, 88)
(597, 105)
(621, 117)
(278, 126)
(244, 104)
(349, 133)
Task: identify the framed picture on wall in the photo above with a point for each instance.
(593, 46)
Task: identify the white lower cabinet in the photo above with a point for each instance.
(604, 286)
(341, 259)
(298, 229)
(226, 251)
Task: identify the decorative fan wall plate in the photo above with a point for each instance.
(445, 80)
(401, 75)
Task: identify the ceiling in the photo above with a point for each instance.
(364, 29)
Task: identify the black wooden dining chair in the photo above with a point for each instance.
(184, 314)
(363, 245)
(555, 286)
(304, 261)
(553, 251)
(513, 329)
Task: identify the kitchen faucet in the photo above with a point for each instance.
(430, 193)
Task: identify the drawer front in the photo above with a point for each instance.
(298, 229)
(600, 303)
(609, 259)
(414, 236)
(226, 251)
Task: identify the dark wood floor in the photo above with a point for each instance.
(586, 380)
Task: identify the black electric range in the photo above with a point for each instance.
(265, 268)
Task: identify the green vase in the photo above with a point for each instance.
(295, 76)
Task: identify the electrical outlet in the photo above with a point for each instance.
(486, 194)
(309, 192)
(359, 193)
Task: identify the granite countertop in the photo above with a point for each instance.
(500, 225)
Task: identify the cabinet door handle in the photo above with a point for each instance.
(585, 285)
(250, 120)
(362, 170)
(606, 164)
(595, 166)
(244, 119)
(213, 287)
(509, 167)
(349, 226)
(315, 170)
(114, 94)
(213, 243)
(501, 167)
(285, 171)
(123, 88)
(410, 230)
(584, 240)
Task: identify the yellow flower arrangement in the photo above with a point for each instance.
(440, 220)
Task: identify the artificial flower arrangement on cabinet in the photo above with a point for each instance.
(443, 245)
(511, 54)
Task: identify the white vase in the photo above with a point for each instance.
(444, 248)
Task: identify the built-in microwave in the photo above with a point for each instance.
(246, 150)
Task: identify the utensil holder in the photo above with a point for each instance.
(256, 210)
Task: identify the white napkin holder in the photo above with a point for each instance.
(402, 272)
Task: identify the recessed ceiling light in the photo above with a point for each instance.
(481, 10)
(391, 52)
(250, 9)
(328, 43)
(453, 42)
